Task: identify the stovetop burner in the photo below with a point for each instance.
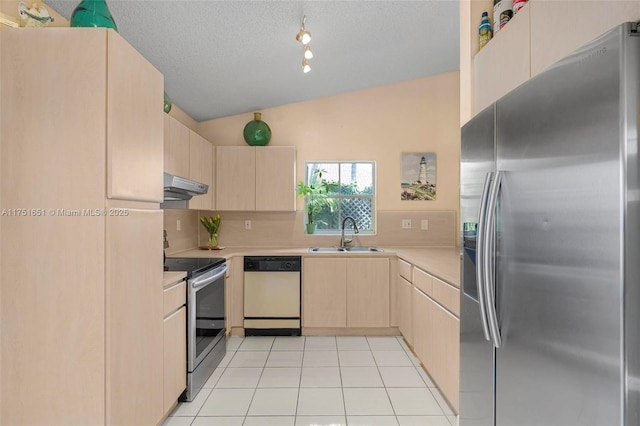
(192, 265)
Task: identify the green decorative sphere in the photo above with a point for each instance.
(92, 13)
(257, 132)
(167, 103)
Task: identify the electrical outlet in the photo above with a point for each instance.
(424, 224)
(247, 224)
(178, 225)
(406, 223)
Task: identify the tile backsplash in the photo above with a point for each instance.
(275, 229)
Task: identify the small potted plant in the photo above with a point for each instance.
(212, 224)
(316, 198)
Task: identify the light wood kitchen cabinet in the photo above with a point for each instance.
(175, 357)
(345, 292)
(536, 38)
(255, 178)
(201, 169)
(324, 292)
(504, 63)
(174, 343)
(550, 40)
(93, 298)
(367, 292)
(275, 178)
(134, 318)
(134, 125)
(176, 147)
(234, 294)
(235, 178)
(404, 308)
(436, 342)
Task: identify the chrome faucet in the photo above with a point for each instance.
(343, 241)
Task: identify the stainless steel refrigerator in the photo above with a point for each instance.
(550, 193)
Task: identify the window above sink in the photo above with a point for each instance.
(352, 187)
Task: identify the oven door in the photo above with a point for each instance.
(206, 320)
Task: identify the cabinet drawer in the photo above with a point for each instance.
(174, 297)
(404, 269)
(423, 281)
(446, 295)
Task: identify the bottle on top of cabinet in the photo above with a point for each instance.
(502, 13)
(518, 4)
(484, 31)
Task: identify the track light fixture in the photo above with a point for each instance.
(308, 54)
(304, 37)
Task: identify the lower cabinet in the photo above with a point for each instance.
(345, 292)
(175, 356)
(436, 342)
(324, 292)
(234, 294)
(404, 308)
(174, 344)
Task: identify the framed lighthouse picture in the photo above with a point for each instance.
(418, 176)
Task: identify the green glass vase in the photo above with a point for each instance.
(92, 13)
(167, 103)
(257, 132)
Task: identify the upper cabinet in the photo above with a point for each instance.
(189, 155)
(275, 178)
(201, 169)
(255, 178)
(176, 147)
(504, 63)
(134, 124)
(550, 39)
(533, 40)
(235, 178)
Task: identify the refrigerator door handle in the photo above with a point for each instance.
(480, 253)
(489, 261)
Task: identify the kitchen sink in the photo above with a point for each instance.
(365, 249)
(344, 250)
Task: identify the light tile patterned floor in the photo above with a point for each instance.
(304, 381)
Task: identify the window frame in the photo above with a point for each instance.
(372, 196)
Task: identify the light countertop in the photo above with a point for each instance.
(442, 262)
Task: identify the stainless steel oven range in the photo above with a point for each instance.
(206, 340)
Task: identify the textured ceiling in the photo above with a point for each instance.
(221, 58)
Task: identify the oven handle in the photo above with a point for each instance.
(206, 280)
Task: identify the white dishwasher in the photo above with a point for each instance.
(272, 295)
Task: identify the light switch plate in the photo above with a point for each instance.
(424, 224)
(178, 225)
(247, 224)
(406, 223)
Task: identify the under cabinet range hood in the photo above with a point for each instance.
(177, 190)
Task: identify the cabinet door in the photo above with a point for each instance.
(275, 178)
(405, 309)
(324, 289)
(367, 292)
(235, 178)
(134, 124)
(504, 63)
(134, 318)
(175, 357)
(201, 155)
(235, 293)
(52, 267)
(550, 40)
(436, 342)
(176, 147)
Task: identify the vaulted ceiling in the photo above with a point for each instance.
(225, 57)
